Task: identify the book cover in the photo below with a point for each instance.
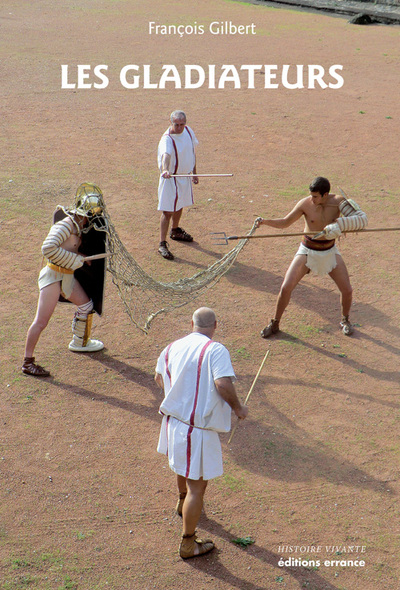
(276, 96)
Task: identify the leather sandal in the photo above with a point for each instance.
(164, 251)
(31, 368)
(179, 505)
(272, 328)
(191, 546)
(179, 234)
(346, 326)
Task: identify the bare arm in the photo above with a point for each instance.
(227, 391)
(165, 162)
(283, 222)
(195, 178)
(159, 380)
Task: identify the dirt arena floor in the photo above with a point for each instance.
(312, 476)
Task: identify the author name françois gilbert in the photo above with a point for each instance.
(214, 28)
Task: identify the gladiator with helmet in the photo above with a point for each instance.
(78, 233)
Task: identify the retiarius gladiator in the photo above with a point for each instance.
(327, 215)
(78, 232)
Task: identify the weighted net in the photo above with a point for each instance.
(144, 297)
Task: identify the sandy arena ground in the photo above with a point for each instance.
(86, 501)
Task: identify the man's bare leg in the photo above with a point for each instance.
(296, 271)
(48, 298)
(191, 546)
(177, 233)
(164, 224)
(193, 504)
(182, 490)
(165, 221)
(176, 217)
(341, 277)
(181, 483)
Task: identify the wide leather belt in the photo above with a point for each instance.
(308, 242)
(66, 271)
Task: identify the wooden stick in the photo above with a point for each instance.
(202, 175)
(350, 231)
(249, 394)
(98, 256)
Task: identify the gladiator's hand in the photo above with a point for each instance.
(332, 231)
(258, 221)
(242, 412)
(195, 180)
(78, 262)
(166, 174)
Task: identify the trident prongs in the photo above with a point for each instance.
(221, 239)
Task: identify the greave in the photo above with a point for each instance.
(81, 329)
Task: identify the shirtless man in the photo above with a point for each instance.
(322, 213)
(61, 249)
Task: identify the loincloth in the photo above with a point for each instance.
(320, 262)
(48, 276)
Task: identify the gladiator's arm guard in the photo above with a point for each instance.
(353, 219)
(51, 249)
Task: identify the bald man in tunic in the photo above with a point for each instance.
(197, 376)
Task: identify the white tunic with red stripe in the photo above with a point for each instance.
(193, 411)
(175, 193)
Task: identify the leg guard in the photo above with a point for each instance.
(81, 328)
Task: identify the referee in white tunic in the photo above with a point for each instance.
(176, 155)
(197, 376)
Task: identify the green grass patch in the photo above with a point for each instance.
(241, 353)
(233, 483)
(68, 584)
(243, 541)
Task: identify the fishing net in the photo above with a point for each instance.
(144, 297)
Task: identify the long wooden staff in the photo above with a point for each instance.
(200, 175)
(249, 394)
(222, 238)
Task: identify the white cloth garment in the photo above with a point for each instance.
(320, 262)
(48, 276)
(193, 411)
(175, 193)
(191, 452)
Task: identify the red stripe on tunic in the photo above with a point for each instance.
(176, 194)
(166, 428)
(176, 168)
(196, 396)
(166, 361)
(177, 164)
(188, 450)
(194, 156)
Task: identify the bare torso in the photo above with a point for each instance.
(318, 212)
(317, 215)
(73, 242)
